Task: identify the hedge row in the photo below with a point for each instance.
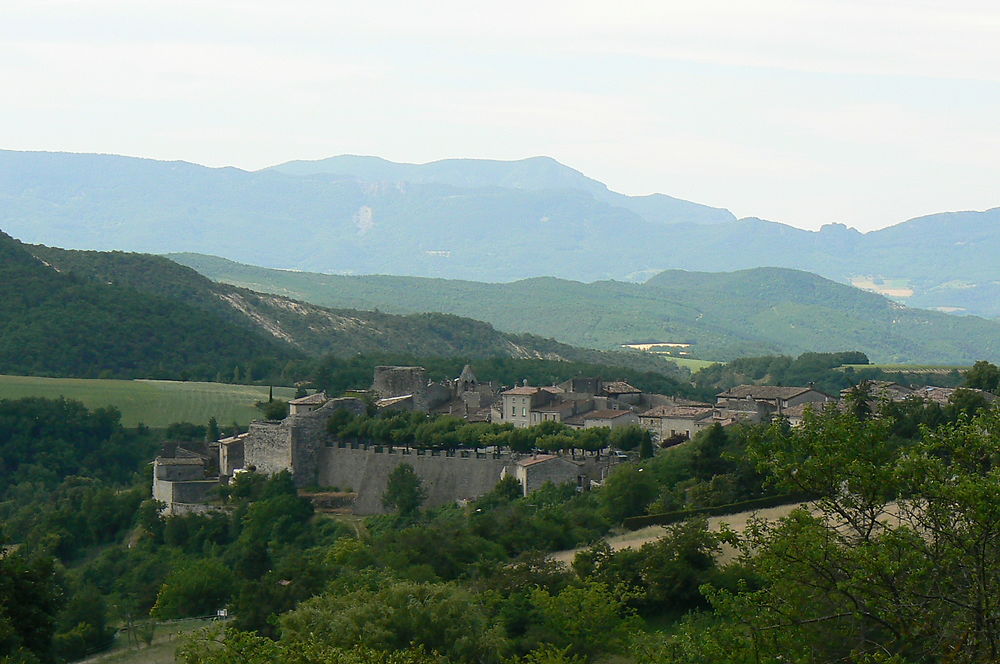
(665, 518)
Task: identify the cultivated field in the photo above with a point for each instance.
(688, 362)
(155, 403)
(908, 368)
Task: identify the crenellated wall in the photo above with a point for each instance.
(446, 478)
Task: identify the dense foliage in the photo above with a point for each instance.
(311, 329)
(897, 554)
(826, 370)
(723, 315)
(65, 325)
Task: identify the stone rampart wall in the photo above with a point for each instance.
(446, 478)
(557, 471)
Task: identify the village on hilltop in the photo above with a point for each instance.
(186, 477)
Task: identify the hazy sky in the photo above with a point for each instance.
(865, 113)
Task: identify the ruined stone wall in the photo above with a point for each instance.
(397, 381)
(231, 457)
(172, 493)
(557, 471)
(446, 478)
(432, 396)
(266, 448)
(170, 472)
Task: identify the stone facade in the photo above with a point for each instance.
(669, 421)
(181, 480)
(534, 472)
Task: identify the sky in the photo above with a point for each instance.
(803, 112)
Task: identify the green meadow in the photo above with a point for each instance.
(688, 362)
(909, 368)
(155, 403)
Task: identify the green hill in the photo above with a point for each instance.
(724, 315)
(224, 314)
(53, 323)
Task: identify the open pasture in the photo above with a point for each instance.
(155, 403)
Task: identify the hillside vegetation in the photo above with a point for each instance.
(723, 315)
(114, 290)
(894, 560)
(53, 323)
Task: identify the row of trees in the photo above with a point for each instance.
(415, 429)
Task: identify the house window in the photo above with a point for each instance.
(524, 412)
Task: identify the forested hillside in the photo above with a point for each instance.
(295, 328)
(59, 324)
(723, 315)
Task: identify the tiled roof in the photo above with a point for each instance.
(540, 458)
(679, 412)
(524, 390)
(317, 399)
(800, 409)
(554, 408)
(765, 392)
(620, 387)
(881, 388)
(180, 461)
(605, 414)
(941, 395)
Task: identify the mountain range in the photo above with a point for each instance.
(471, 219)
(721, 315)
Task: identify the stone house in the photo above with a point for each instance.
(622, 392)
(516, 405)
(180, 483)
(231, 456)
(611, 418)
(306, 404)
(533, 472)
(669, 421)
(759, 403)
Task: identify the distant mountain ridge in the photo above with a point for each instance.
(471, 219)
(532, 174)
(722, 315)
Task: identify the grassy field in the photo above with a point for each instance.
(908, 368)
(155, 403)
(689, 362)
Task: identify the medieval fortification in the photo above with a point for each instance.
(301, 445)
